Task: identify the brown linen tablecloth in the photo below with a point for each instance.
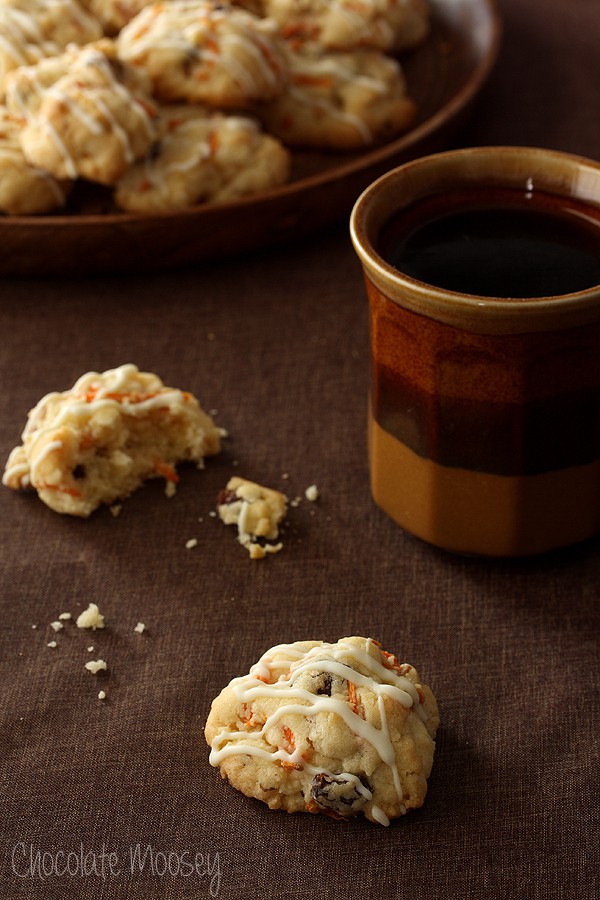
(277, 343)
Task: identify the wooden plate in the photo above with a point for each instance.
(444, 76)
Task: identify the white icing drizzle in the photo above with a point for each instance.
(281, 667)
(16, 471)
(379, 816)
(50, 448)
(74, 108)
(362, 27)
(69, 162)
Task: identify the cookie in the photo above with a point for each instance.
(340, 101)
(203, 156)
(199, 51)
(100, 440)
(32, 30)
(87, 115)
(256, 511)
(24, 189)
(386, 25)
(340, 729)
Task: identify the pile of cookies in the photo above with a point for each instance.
(180, 102)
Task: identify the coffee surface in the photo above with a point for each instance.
(497, 242)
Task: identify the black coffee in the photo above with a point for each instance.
(497, 242)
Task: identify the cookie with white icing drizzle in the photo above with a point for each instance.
(98, 441)
(31, 30)
(202, 51)
(24, 189)
(340, 101)
(87, 114)
(388, 25)
(340, 729)
(203, 156)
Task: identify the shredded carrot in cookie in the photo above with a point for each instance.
(150, 110)
(289, 736)
(213, 142)
(353, 697)
(120, 396)
(291, 741)
(390, 660)
(247, 714)
(323, 81)
(71, 491)
(166, 471)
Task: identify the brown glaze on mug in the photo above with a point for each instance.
(484, 431)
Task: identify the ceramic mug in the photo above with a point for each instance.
(484, 423)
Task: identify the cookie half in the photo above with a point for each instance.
(98, 442)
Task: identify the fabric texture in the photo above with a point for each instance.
(115, 798)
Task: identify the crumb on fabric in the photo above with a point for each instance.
(90, 618)
(96, 665)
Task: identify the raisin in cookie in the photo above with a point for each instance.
(387, 25)
(98, 442)
(87, 115)
(256, 511)
(203, 156)
(338, 729)
(199, 51)
(340, 101)
(24, 189)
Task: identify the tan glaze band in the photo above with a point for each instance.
(477, 513)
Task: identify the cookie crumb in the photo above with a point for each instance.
(90, 618)
(140, 627)
(34, 627)
(90, 649)
(170, 489)
(193, 542)
(101, 695)
(96, 665)
(52, 644)
(65, 617)
(256, 511)
(115, 510)
(312, 493)
(57, 626)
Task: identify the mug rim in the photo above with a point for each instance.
(379, 201)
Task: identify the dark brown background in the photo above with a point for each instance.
(278, 344)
